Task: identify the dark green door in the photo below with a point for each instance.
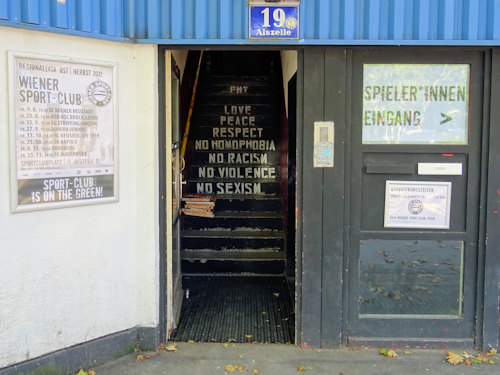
(414, 193)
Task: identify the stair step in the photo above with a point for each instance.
(235, 132)
(226, 240)
(235, 267)
(233, 234)
(234, 120)
(231, 222)
(247, 203)
(237, 254)
(221, 95)
(238, 80)
(235, 157)
(249, 214)
(234, 109)
(224, 171)
(233, 186)
(230, 89)
(235, 145)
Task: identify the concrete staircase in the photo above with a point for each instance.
(235, 135)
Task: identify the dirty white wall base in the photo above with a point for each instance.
(75, 274)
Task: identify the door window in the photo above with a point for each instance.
(415, 103)
(411, 278)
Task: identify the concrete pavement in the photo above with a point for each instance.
(277, 359)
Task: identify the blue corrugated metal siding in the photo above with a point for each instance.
(226, 21)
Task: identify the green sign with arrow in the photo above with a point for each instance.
(415, 103)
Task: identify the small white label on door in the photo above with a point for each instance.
(323, 144)
(448, 169)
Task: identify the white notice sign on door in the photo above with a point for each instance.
(417, 204)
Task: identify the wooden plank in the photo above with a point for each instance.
(312, 201)
(333, 201)
(299, 120)
(491, 332)
(162, 192)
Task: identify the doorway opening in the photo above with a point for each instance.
(230, 273)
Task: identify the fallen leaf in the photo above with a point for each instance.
(171, 347)
(276, 294)
(482, 358)
(147, 356)
(140, 358)
(300, 368)
(248, 336)
(225, 344)
(191, 341)
(81, 372)
(466, 355)
(91, 372)
(388, 353)
(467, 362)
(392, 354)
(256, 372)
(454, 358)
(232, 368)
(408, 352)
(492, 351)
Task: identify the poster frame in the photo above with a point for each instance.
(447, 184)
(14, 196)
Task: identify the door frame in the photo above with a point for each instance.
(320, 256)
(489, 335)
(165, 192)
(325, 324)
(327, 329)
(324, 88)
(165, 180)
(426, 326)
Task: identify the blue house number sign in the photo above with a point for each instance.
(274, 22)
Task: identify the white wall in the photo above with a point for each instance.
(74, 274)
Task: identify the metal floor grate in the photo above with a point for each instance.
(236, 309)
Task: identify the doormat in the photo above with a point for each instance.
(239, 309)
